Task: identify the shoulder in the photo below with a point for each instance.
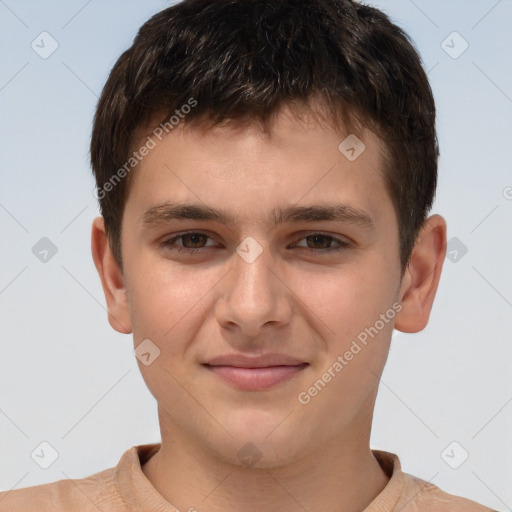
(408, 493)
(67, 495)
(419, 495)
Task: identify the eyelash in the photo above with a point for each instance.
(168, 244)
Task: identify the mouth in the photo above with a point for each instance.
(255, 373)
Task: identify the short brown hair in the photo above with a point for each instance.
(244, 60)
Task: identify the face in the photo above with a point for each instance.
(265, 270)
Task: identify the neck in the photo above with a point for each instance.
(336, 476)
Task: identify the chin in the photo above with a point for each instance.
(261, 439)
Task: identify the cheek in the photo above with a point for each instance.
(169, 303)
(159, 295)
(152, 311)
(345, 301)
(350, 302)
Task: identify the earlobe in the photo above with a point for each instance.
(111, 277)
(421, 278)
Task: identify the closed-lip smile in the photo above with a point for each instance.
(255, 373)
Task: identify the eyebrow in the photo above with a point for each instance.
(167, 211)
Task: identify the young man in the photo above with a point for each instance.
(264, 170)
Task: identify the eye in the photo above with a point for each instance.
(191, 242)
(322, 242)
(196, 242)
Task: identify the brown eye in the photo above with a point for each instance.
(193, 240)
(321, 243)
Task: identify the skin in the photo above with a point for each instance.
(296, 298)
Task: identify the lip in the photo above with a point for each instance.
(255, 373)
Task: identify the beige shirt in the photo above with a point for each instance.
(125, 488)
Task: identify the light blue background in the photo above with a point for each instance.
(67, 378)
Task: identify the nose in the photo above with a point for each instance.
(254, 296)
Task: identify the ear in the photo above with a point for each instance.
(420, 280)
(111, 277)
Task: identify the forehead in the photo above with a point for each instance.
(298, 158)
(277, 127)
